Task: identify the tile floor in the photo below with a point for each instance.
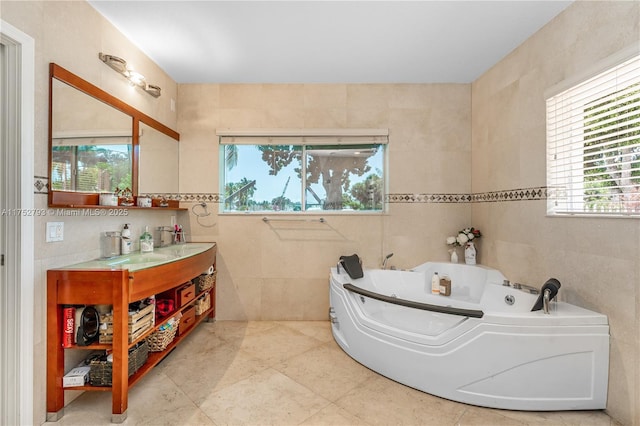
(286, 373)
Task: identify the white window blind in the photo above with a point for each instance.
(593, 145)
(302, 136)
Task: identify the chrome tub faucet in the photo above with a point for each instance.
(385, 260)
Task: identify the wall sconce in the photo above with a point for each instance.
(135, 78)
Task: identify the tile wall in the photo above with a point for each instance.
(595, 259)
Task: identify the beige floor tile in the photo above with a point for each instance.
(266, 398)
(200, 369)
(277, 344)
(155, 400)
(320, 330)
(158, 401)
(332, 415)
(564, 418)
(380, 401)
(475, 416)
(327, 370)
(238, 330)
(90, 408)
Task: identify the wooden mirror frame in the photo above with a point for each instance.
(84, 199)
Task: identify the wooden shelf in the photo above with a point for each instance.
(92, 206)
(154, 357)
(91, 200)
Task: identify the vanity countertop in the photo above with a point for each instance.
(137, 261)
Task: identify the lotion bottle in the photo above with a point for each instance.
(435, 284)
(126, 239)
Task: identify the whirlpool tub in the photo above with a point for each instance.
(481, 345)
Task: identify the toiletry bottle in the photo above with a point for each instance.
(435, 283)
(126, 240)
(146, 241)
(445, 286)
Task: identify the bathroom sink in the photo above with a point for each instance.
(139, 258)
(137, 261)
(180, 250)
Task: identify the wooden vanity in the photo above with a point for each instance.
(119, 282)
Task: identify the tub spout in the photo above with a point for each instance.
(384, 261)
(546, 297)
(547, 293)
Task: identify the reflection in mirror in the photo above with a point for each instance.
(91, 143)
(158, 162)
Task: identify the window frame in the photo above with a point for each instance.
(303, 139)
(568, 198)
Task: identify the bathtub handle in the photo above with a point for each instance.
(473, 313)
(332, 316)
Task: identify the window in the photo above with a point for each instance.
(593, 145)
(303, 170)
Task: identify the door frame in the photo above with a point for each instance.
(16, 339)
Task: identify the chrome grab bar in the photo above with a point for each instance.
(473, 313)
(283, 219)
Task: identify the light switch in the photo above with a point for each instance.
(55, 231)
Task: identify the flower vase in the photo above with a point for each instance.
(470, 254)
(454, 255)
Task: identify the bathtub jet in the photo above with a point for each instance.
(482, 345)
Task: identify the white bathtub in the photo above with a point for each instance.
(478, 349)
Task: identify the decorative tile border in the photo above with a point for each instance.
(429, 198)
(167, 196)
(209, 197)
(536, 193)
(41, 186)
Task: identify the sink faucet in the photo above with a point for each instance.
(177, 236)
(160, 235)
(384, 261)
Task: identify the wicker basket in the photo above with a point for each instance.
(203, 303)
(205, 282)
(101, 372)
(139, 322)
(159, 340)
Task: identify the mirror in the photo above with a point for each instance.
(96, 143)
(91, 143)
(158, 163)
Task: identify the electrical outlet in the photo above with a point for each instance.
(55, 231)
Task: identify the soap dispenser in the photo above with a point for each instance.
(126, 240)
(146, 241)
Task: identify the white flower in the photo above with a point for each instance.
(451, 240)
(470, 236)
(462, 238)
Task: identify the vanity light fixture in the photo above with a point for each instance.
(135, 78)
